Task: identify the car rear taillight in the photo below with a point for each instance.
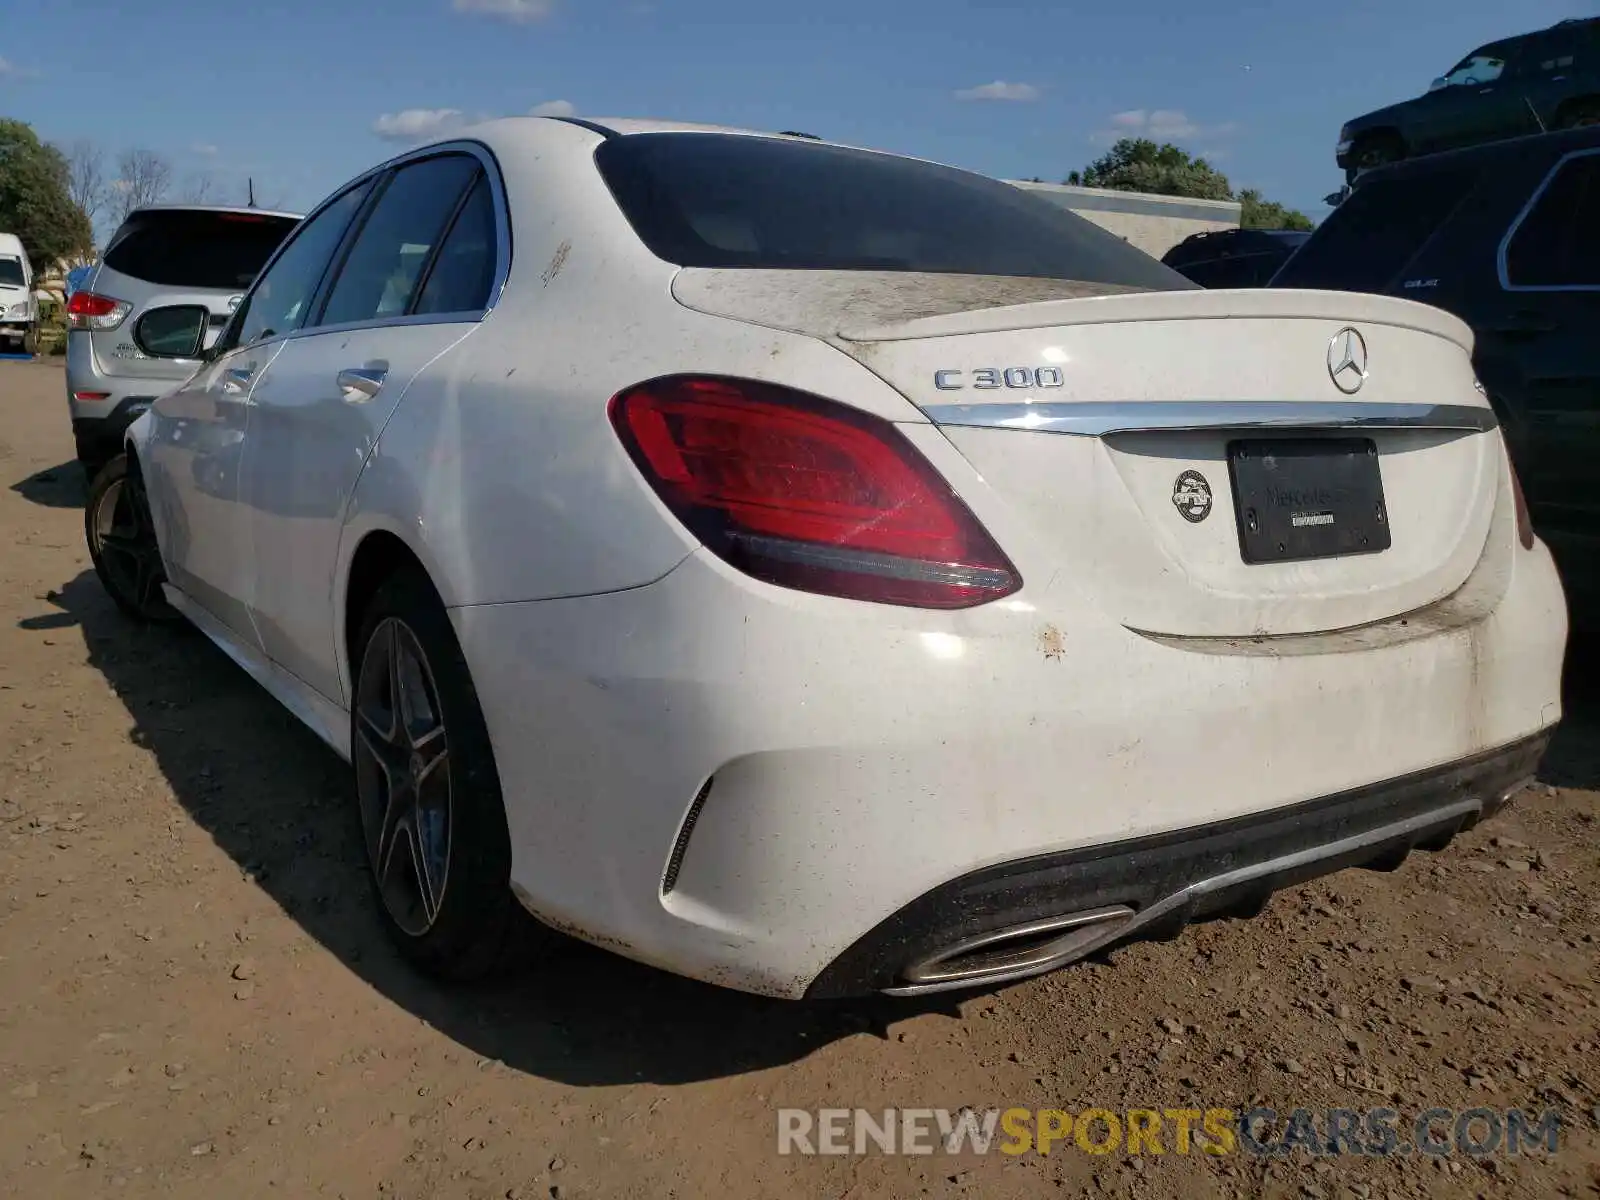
(809, 494)
(88, 310)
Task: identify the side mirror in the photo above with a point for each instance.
(1438, 83)
(177, 331)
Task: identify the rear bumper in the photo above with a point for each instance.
(1151, 888)
(99, 438)
(748, 785)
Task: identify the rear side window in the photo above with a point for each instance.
(462, 275)
(380, 274)
(1558, 243)
(11, 272)
(720, 200)
(183, 248)
(1370, 238)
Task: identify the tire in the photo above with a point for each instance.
(1585, 112)
(30, 340)
(1372, 153)
(122, 543)
(443, 887)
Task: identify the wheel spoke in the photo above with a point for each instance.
(391, 828)
(428, 754)
(144, 580)
(397, 691)
(428, 888)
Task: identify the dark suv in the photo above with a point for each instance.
(1529, 84)
(1507, 237)
(1233, 258)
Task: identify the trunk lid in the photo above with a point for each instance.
(1107, 431)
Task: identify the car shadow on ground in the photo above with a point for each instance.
(280, 804)
(55, 487)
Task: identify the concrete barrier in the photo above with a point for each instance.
(1155, 224)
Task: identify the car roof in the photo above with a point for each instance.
(239, 209)
(517, 130)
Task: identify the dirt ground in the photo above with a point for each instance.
(196, 999)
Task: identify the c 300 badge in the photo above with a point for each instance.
(1191, 496)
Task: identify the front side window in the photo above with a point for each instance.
(380, 274)
(1558, 242)
(733, 201)
(1479, 67)
(280, 300)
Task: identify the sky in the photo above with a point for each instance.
(303, 94)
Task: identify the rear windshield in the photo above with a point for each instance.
(720, 200)
(11, 272)
(186, 249)
(1380, 228)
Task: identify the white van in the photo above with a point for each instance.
(19, 312)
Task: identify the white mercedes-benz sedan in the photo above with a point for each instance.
(823, 572)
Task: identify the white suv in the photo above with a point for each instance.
(160, 256)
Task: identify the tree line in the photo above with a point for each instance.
(1140, 165)
(62, 201)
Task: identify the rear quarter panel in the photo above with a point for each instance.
(500, 468)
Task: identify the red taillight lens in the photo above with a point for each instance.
(809, 494)
(88, 310)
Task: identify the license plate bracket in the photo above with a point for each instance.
(1305, 498)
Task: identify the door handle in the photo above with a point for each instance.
(362, 383)
(236, 379)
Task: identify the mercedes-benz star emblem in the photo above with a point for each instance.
(1191, 496)
(1347, 360)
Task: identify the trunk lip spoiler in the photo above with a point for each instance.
(1088, 418)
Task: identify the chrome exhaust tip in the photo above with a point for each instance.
(1016, 951)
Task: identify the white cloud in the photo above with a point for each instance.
(1162, 125)
(1000, 90)
(10, 70)
(204, 149)
(518, 12)
(554, 108)
(417, 124)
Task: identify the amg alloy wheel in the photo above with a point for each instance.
(402, 760)
(122, 542)
(432, 816)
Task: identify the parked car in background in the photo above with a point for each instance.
(1234, 258)
(1533, 83)
(1507, 236)
(902, 593)
(161, 256)
(19, 310)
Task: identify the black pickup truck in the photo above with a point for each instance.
(1533, 83)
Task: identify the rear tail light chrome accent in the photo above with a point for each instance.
(809, 494)
(89, 310)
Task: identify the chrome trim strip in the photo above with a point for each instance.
(1094, 418)
(1418, 824)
